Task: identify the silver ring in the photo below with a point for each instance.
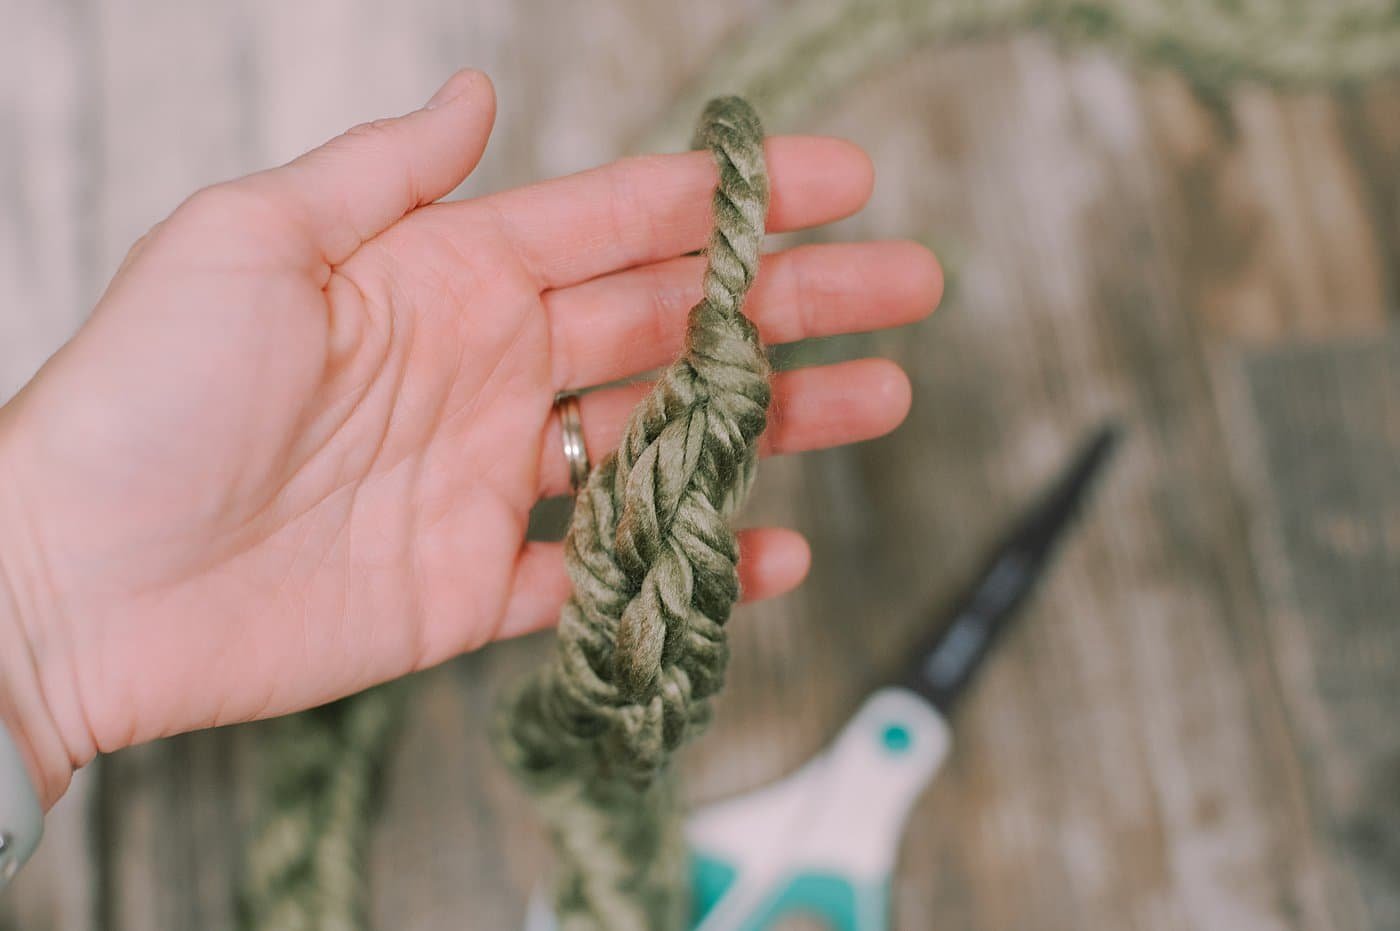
(571, 427)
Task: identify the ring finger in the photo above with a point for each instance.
(812, 408)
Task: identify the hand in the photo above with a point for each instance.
(293, 452)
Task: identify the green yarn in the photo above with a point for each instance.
(641, 645)
(305, 867)
(798, 61)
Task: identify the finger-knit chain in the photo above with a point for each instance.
(653, 561)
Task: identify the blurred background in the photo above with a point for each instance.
(1198, 723)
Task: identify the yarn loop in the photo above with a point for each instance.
(653, 561)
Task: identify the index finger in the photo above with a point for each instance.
(644, 209)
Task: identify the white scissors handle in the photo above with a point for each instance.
(823, 841)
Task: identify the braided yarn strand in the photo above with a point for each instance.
(803, 57)
(305, 867)
(641, 644)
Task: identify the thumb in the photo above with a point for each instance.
(362, 182)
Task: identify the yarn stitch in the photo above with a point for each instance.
(305, 866)
(641, 645)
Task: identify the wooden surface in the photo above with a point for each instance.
(1196, 724)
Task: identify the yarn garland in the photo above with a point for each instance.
(653, 561)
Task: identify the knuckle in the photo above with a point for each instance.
(227, 202)
(930, 271)
(630, 213)
(800, 293)
(374, 131)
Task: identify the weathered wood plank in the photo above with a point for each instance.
(46, 119)
(1372, 128)
(1282, 230)
(1327, 434)
(1122, 767)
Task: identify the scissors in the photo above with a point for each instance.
(821, 843)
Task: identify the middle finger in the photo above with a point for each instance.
(631, 322)
(812, 408)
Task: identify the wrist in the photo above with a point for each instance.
(25, 654)
(24, 712)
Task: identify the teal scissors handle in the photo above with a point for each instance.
(821, 843)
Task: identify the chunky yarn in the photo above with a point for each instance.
(641, 644)
(802, 58)
(304, 869)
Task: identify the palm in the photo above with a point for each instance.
(452, 386)
(393, 480)
(283, 463)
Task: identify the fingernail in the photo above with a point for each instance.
(451, 90)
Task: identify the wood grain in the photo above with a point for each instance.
(1193, 726)
(1326, 422)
